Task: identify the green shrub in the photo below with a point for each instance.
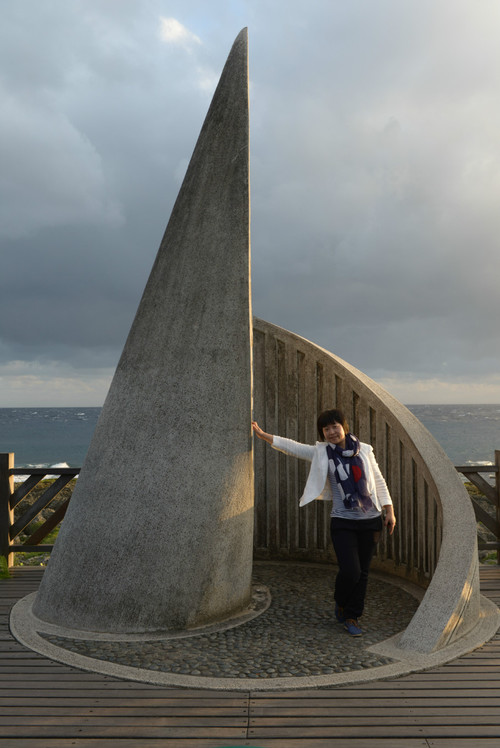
(4, 569)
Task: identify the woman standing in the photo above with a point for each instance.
(344, 470)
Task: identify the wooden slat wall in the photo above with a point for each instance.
(47, 705)
(293, 382)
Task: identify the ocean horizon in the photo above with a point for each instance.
(43, 437)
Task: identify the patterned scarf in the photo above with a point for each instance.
(350, 475)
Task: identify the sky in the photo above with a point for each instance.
(375, 181)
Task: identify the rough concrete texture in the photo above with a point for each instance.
(159, 532)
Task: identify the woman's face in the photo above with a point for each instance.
(334, 434)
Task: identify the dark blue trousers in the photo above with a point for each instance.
(354, 542)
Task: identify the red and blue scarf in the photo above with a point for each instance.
(350, 474)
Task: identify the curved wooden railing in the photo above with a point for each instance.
(435, 541)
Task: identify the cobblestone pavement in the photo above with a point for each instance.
(296, 636)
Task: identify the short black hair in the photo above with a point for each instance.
(331, 416)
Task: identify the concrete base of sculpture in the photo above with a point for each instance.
(55, 643)
(260, 600)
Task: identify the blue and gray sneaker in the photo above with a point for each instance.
(339, 613)
(352, 626)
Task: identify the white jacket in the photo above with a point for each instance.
(318, 485)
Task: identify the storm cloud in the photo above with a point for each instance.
(375, 181)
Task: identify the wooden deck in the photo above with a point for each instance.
(47, 705)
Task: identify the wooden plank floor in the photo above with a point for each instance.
(47, 705)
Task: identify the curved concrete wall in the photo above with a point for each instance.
(434, 544)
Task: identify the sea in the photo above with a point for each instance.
(58, 437)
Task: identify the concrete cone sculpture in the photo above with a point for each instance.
(159, 532)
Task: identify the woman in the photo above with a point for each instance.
(345, 470)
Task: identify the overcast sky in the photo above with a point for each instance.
(375, 181)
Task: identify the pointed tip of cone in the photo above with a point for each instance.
(242, 36)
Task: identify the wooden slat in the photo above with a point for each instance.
(36, 711)
(466, 469)
(54, 519)
(483, 485)
(79, 730)
(24, 488)
(38, 505)
(89, 742)
(212, 743)
(345, 722)
(380, 701)
(50, 697)
(121, 721)
(462, 743)
(388, 730)
(371, 714)
(73, 471)
(217, 743)
(488, 521)
(23, 548)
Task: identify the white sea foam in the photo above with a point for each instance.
(49, 476)
(488, 477)
(479, 462)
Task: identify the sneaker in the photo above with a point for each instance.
(339, 613)
(352, 626)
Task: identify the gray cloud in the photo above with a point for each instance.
(375, 179)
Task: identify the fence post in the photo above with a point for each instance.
(6, 513)
(497, 486)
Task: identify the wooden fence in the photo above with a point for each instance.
(435, 543)
(293, 381)
(491, 520)
(11, 496)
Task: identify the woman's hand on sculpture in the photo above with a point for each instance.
(261, 434)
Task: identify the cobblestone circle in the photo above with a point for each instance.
(296, 636)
